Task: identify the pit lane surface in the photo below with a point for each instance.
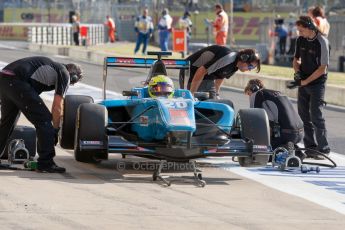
(109, 195)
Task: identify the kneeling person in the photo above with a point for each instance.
(285, 123)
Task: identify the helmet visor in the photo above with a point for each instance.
(162, 89)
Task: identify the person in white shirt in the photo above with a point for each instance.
(164, 27)
(143, 27)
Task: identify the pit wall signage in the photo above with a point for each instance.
(22, 15)
(14, 27)
(13, 32)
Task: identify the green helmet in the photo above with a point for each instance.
(161, 86)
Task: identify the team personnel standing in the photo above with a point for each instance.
(310, 63)
(75, 29)
(164, 27)
(221, 25)
(21, 83)
(186, 24)
(319, 19)
(111, 28)
(143, 27)
(285, 123)
(211, 65)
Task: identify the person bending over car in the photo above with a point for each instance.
(21, 83)
(211, 65)
(285, 123)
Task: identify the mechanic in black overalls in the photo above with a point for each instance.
(310, 64)
(21, 83)
(285, 123)
(209, 66)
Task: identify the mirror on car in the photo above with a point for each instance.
(129, 93)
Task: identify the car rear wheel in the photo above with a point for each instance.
(253, 124)
(70, 107)
(91, 143)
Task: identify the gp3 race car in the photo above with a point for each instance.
(180, 128)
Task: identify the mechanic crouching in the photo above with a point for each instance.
(285, 123)
(21, 83)
(211, 65)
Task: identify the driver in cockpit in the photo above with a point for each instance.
(161, 86)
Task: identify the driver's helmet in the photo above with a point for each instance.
(161, 86)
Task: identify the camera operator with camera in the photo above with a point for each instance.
(310, 63)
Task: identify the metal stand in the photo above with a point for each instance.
(197, 174)
(157, 174)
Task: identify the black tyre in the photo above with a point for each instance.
(91, 125)
(253, 124)
(70, 107)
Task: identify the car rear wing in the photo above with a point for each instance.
(128, 62)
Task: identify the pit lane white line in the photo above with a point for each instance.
(326, 188)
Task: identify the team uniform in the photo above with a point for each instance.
(219, 62)
(144, 27)
(313, 53)
(164, 27)
(21, 83)
(285, 123)
(221, 26)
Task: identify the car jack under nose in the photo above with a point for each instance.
(197, 174)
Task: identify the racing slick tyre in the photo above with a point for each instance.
(91, 144)
(253, 124)
(70, 107)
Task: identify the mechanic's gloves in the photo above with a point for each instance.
(296, 82)
(56, 135)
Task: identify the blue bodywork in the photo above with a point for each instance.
(156, 117)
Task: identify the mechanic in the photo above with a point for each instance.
(161, 86)
(21, 83)
(210, 65)
(310, 64)
(285, 123)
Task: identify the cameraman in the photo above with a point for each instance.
(310, 64)
(285, 123)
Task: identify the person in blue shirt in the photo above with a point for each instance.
(144, 28)
(282, 34)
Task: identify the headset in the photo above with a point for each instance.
(254, 88)
(308, 23)
(74, 78)
(247, 58)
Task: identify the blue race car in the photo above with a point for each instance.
(177, 128)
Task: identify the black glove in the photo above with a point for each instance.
(293, 84)
(296, 82)
(297, 76)
(56, 135)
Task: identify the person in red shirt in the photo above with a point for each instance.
(221, 25)
(111, 28)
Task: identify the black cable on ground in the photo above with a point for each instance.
(315, 153)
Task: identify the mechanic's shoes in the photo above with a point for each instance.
(51, 169)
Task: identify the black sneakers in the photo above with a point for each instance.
(50, 169)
